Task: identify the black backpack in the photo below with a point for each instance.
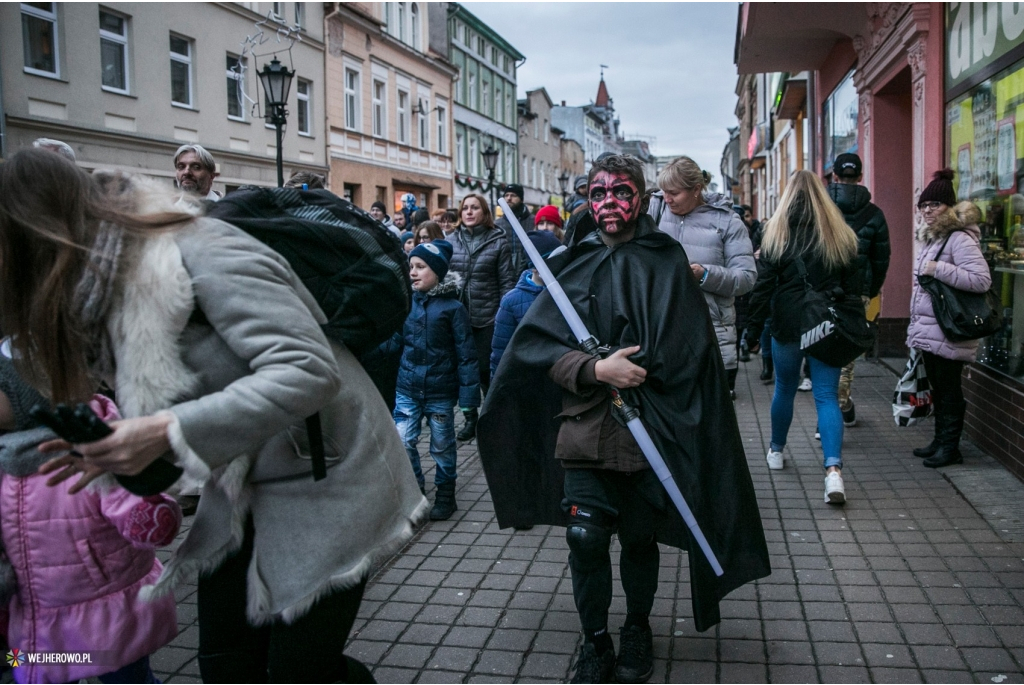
(353, 266)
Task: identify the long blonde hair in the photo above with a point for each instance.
(805, 202)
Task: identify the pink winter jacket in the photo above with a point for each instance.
(80, 561)
(960, 265)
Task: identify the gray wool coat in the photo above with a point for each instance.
(215, 328)
(714, 237)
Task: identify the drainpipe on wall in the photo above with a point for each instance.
(812, 120)
(3, 115)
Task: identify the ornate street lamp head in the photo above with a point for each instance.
(277, 81)
(490, 156)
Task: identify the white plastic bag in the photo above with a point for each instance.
(912, 401)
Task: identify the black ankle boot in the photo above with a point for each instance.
(949, 436)
(468, 431)
(444, 502)
(924, 452)
(767, 369)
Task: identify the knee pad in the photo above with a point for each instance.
(588, 542)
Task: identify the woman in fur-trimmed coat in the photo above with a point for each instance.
(949, 250)
(215, 351)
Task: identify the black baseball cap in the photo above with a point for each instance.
(848, 165)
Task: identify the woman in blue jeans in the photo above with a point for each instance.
(806, 226)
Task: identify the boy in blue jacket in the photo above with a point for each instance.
(517, 301)
(438, 368)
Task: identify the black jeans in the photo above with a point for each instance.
(944, 379)
(306, 651)
(483, 336)
(631, 504)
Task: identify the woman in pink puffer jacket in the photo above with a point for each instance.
(959, 264)
(79, 561)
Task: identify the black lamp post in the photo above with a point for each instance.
(277, 81)
(490, 156)
(563, 184)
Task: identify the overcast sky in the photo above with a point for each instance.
(670, 69)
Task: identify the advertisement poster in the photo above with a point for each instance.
(1006, 155)
(963, 170)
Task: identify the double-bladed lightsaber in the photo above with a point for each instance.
(629, 414)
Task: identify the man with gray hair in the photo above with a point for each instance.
(57, 146)
(194, 171)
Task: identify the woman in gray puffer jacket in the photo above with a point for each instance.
(716, 242)
(482, 257)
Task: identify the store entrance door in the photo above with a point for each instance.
(892, 191)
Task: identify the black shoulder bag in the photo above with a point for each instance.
(962, 315)
(833, 327)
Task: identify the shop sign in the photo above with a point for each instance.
(978, 34)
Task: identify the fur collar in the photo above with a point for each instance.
(945, 224)
(450, 286)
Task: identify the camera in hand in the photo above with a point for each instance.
(80, 425)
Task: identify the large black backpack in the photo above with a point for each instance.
(353, 266)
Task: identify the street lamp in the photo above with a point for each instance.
(277, 81)
(490, 156)
(563, 184)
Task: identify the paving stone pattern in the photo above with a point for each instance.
(906, 583)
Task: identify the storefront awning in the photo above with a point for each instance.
(414, 184)
(794, 36)
(794, 99)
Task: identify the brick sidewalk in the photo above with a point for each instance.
(906, 583)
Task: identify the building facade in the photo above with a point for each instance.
(125, 84)
(595, 126)
(540, 150)
(485, 101)
(389, 103)
(913, 88)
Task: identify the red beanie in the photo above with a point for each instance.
(548, 213)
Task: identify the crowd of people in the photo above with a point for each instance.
(201, 348)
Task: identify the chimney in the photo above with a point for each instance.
(563, 103)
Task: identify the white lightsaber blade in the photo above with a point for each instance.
(636, 427)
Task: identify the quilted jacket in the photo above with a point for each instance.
(511, 311)
(486, 269)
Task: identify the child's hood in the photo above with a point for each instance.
(450, 286)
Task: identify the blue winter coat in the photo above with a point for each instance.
(439, 359)
(510, 312)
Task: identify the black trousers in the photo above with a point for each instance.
(306, 651)
(482, 338)
(944, 378)
(630, 504)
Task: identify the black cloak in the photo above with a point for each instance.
(638, 293)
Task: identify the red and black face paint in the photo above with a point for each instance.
(614, 201)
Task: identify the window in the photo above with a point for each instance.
(481, 46)
(494, 55)
(460, 153)
(508, 108)
(388, 18)
(526, 168)
(181, 71)
(485, 99)
(497, 104)
(533, 172)
(472, 91)
(236, 86)
(403, 117)
(466, 36)
(442, 129)
(474, 158)
(839, 121)
(401, 21)
(380, 115)
(39, 37)
(542, 183)
(536, 129)
(505, 64)
(351, 99)
(303, 94)
(277, 12)
(547, 130)
(508, 165)
(114, 51)
(300, 14)
(415, 13)
(423, 123)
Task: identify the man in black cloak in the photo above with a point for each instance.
(555, 452)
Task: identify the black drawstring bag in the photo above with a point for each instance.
(962, 315)
(833, 328)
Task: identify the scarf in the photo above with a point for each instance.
(95, 292)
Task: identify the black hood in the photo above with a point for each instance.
(849, 198)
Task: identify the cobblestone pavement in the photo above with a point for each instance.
(906, 583)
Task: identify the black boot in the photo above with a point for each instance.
(468, 431)
(767, 369)
(949, 436)
(744, 353)
(933, 446)
(444, 502)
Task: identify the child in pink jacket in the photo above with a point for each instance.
(78, 561)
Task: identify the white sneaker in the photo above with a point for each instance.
(817, 432)
(775, 460)
(835, 493)
(805, 385)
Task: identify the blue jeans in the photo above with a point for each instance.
(408, 416)
(788, 358)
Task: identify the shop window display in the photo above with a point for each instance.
(985, 143)
(839, 121)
